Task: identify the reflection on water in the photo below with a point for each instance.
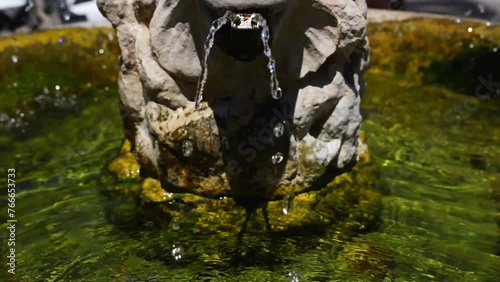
(438, 153)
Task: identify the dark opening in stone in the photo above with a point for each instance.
(242, 44)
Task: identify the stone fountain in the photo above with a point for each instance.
(243, 140)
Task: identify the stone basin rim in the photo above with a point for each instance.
(374, 16)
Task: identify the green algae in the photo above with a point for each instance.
(437, 223)
(441, 52)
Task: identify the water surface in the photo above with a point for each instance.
(438, 223)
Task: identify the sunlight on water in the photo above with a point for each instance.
(438, 222)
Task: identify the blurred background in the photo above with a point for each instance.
(29, 15)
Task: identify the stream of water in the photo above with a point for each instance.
(236, 20)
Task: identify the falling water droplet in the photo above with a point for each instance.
(187, 148)
(495, 50)
(488, 24)
(470, 29)
(58, 87)
(177, 252)
(271, 65)
(101, 51)
(471, 46)
(468, 13)
(14, 84)
(294, 276)
(46, 90)
(277, 94)
(287, 203)
(277, 158)
(279, 129)
(481, 8)
(458, 20)
(60, 40)
(15, 59)
(265, 35)
(175, 223)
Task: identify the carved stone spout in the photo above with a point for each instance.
(241, 142)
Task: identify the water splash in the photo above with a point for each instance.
(277, 158)
(209, 43)
(236, 20)
(177, 252)
(187, 148)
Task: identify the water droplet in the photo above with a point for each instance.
(101, 51)
(167, 196)
(468, 13)
(271, 65)
(149, 224)
(14, 84)
(488, 24)
(60, 40)
(471, 45)
(267, 51)
(46, 90)
(175, 223)
(104, 67)
(278, 94)
(177, 252)
(15, 59)
(470, 29)
(110, 37)
(458, 20)
(58, 87)
(89, 84)
(287, 203)
(481, 8)
(279, 129)
(106, 88)
(495, 50)
(294, 276)
(265, 34)
(277, 158)
(187, 148)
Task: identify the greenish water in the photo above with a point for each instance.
(438, 223)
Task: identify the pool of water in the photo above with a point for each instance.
(438, 152)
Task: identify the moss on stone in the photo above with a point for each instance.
(125, 167)
(346, 206)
